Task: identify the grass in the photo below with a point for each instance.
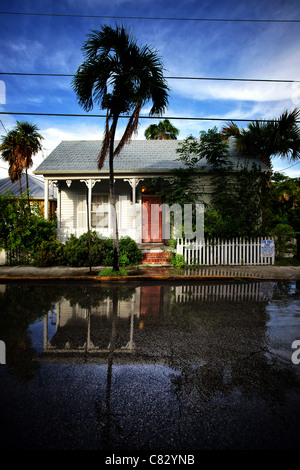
(108, 272)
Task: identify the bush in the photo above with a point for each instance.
(129, 252)
(77, 251)
(38, 231)
(49, 253)
(177, 261)
(283, 236)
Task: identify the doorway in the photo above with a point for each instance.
(152, 220)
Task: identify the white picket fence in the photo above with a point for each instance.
(235, 252)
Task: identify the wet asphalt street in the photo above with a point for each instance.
(150, 366)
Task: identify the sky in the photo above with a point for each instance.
(189, 46)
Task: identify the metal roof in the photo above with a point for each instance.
(136, 156)
(36, 187)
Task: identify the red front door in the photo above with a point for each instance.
(152, 219)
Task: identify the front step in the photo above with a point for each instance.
(155, 254)
(156, 258)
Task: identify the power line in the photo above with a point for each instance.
(70, 15)
(167, 77)
(3, 126)
(140, 117)
(290, 166)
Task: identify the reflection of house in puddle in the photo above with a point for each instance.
(89, 330)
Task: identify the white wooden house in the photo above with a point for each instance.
(83, 190)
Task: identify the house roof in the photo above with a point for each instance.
(36, 187)
(138, 156)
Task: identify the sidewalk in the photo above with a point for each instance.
(154, 273)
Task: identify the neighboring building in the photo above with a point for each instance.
(83, 190)
(36, 191)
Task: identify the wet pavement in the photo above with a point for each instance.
(155, 367)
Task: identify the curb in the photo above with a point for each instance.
(142, 278)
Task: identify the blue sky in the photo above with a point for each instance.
(231, 49)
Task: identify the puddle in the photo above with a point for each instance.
(150, 367)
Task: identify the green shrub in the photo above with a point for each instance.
(49, 253)
(177, 261)
(129, 252)
(38, 231)
(77, 250)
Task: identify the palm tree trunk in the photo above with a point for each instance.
(112, 196)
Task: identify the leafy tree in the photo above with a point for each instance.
(184, 186)
(19, 227)
(238, 196)
(237, 203)
(120, 77)
(264, 140)
(164, 130)
(285, 201)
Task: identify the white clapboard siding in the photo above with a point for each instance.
(237, 251)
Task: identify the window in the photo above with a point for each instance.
(81, 211)
(99, 211)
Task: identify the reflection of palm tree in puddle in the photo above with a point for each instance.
(106, 419)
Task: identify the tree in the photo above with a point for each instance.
(18, 146)
(264, 140)
(10, 154)
(164, 130)
(121, 77)
(29, 144)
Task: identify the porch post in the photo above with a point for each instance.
(46, 198)
(58, 186)
(90, 183)
(90, 203)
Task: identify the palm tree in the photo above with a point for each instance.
(29, 144)
(162, 130)
(10, 153)
(121, 77)
(18, 147)
(266, 139)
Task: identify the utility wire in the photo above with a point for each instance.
(169, 78)
(3, 126)
(251, 20)
(283, 169)
(140, 117)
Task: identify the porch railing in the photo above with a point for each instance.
(237, 251)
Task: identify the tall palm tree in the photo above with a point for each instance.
(163, 130)
(10, 153)
(18, 147)
(29, 144)
(266, 139)
(121, 77)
